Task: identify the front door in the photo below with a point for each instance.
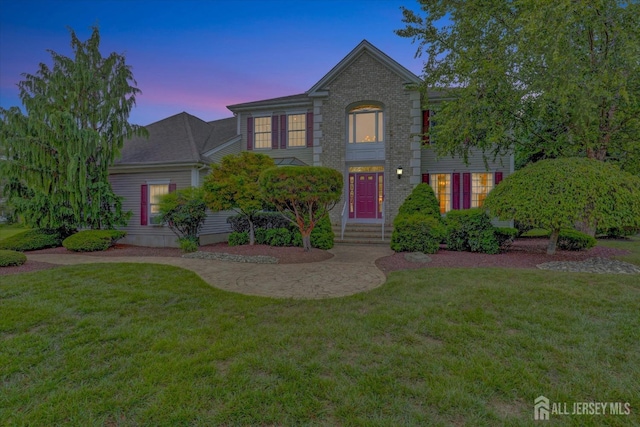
(366, 195)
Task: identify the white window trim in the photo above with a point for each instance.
(255, 133)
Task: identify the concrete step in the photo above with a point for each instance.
(360, 234)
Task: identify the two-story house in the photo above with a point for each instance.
(364, 118)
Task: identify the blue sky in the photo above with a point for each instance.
(200, 56)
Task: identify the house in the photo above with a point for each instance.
(364, 118)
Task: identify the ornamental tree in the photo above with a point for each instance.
(233, 184)
(184, 211)
(558, 193)
(554, 79)
(304, 194)
(58, 153)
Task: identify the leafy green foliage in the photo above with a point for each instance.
(307, 193)
(421, 200)
(11, 258)
(233, 184)
(93, 240)
(416, 233)
(58, 152)
(188, 244)
(264, 220)
(471, 230)
(557, 193)
(553, 79)
(505, 236)
(32, 240)
(238, 238)
(184, 211)
(573, 240)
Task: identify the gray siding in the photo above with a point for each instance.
(430, 163)
(128, 185)
(230, 149)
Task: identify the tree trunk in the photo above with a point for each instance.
(306, 242)
(553, 241)
(252, 233)
(584, 227)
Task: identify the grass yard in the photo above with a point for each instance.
(125, 344)
(10, 230)
(631, 244)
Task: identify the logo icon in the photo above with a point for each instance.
(541, 408)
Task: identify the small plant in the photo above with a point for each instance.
(184, 211)
(32, 240)
(238, 238)
(573, 240)
(505, 236)
(188, 244)
(11, 258)
(471, 230)
(92, 240)
(416, 233)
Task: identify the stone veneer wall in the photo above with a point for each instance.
(368, 80)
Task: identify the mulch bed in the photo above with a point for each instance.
(525, 253)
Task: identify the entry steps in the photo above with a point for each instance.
(359, 234)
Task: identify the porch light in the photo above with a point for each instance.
(399, 172)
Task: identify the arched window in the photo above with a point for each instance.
(366, 124)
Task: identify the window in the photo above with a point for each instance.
(262, 132)
(366, 124)
(441, 184)
(155, 192)
(481, 185)
(297, 130)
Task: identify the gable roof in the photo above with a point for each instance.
(319, 89)
(181, 138)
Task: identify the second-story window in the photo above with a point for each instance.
(262, 132)
(366, 124)
(297, 130)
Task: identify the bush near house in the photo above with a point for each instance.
(422, 200)
(573, 240)
(92, 240)
(238, 238)
(32, 240)
(506, 236)
(11, 258)
(471, 230)
(417, 233)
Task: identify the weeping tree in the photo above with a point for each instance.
(233, 184)
(558, 193)
(75, 123)
(304, 194)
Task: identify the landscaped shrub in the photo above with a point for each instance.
(32, 240)
(11, 258)
(505, 236)
(266, 220)
(573, 240)
(471, 230)
(421, 200)
(619, 232)
(189, 244)
(238, 238)
(278, 237)
(322, 235)
(92, 240)
(416, 233)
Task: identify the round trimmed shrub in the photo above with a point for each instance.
(574, 240)
(11, 258)
(471, 230)
(421, 200)
(32, 240)
(92, 240)
(416, 233)
(238, 238)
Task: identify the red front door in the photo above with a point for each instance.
(366, 195)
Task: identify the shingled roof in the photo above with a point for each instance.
(181, 138)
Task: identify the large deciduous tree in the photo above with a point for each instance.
(552, 79)
(558, 193)
(233, 184)
(304, 194)
(75, 123)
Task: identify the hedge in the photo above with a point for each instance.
(416, 233)
(32, 240)
(11, 258)
(573, 240)
(92, 240)
(471, 230)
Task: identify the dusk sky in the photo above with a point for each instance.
(200, 56)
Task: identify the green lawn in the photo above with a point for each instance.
(631, 244)
(125, 344)
(10, 230)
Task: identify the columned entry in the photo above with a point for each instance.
(366, 193)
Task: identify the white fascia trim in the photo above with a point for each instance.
(161, 166)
